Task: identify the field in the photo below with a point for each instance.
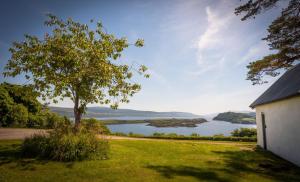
(154, 160)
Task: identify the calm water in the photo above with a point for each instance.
(205, 129)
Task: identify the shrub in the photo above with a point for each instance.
(157, 134)
(63, 144)
(194, 135)
(35, 121)
(244, 132)
(119, 134)
(172, 135)
(219, 137)
(54, 120)
(135, 135)
(36, 145)
(96, 126)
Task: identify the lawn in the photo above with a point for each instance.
(133, 160)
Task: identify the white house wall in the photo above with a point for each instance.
(282, 119)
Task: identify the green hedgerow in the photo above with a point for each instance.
(244, 132)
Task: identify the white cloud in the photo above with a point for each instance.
(212, 36)
(212, 44)
(255, 52)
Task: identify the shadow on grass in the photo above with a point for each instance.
(259, 162)
(11, 154)
(198, 173)
(236, 165)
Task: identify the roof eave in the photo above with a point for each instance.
(253, 105)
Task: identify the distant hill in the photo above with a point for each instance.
(234, 117)
(105, 112)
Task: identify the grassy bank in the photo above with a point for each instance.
(174, 136)
(154, 161)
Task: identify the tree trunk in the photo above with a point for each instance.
(77, 114)
(77, 118)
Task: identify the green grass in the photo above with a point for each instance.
(154, 161)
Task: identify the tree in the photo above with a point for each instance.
(25, 95)
(19, 115)
(6, 105)
(283, 36)
(76, 62)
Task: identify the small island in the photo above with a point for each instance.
(234, 117)
(114, 122)
(175, 122)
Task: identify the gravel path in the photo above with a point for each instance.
(21, 133)
(18, 133)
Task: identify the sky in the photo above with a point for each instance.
(196, 50)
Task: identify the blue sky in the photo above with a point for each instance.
(196, 50)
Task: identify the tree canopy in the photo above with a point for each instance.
(78, 62)
(19, 107)
(283, 36)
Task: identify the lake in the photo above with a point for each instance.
(205, 129)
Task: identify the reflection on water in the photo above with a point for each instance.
(205, 129)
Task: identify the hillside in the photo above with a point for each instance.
(176, 122)
(234, 117)
(104, 112)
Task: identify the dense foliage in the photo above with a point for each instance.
(244, 132)
(78, 62)
(19, 107)
(95, 125)
(63, 144)
(283, 36)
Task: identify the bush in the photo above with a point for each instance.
(119, 134)
(63, 144)
(244, 132)
(96, 126)
(157, 134)
(135, 134)
(35, 121)
(172, 135)
(36, 145)
(54, 120)
(219, 137)
(195, 135)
